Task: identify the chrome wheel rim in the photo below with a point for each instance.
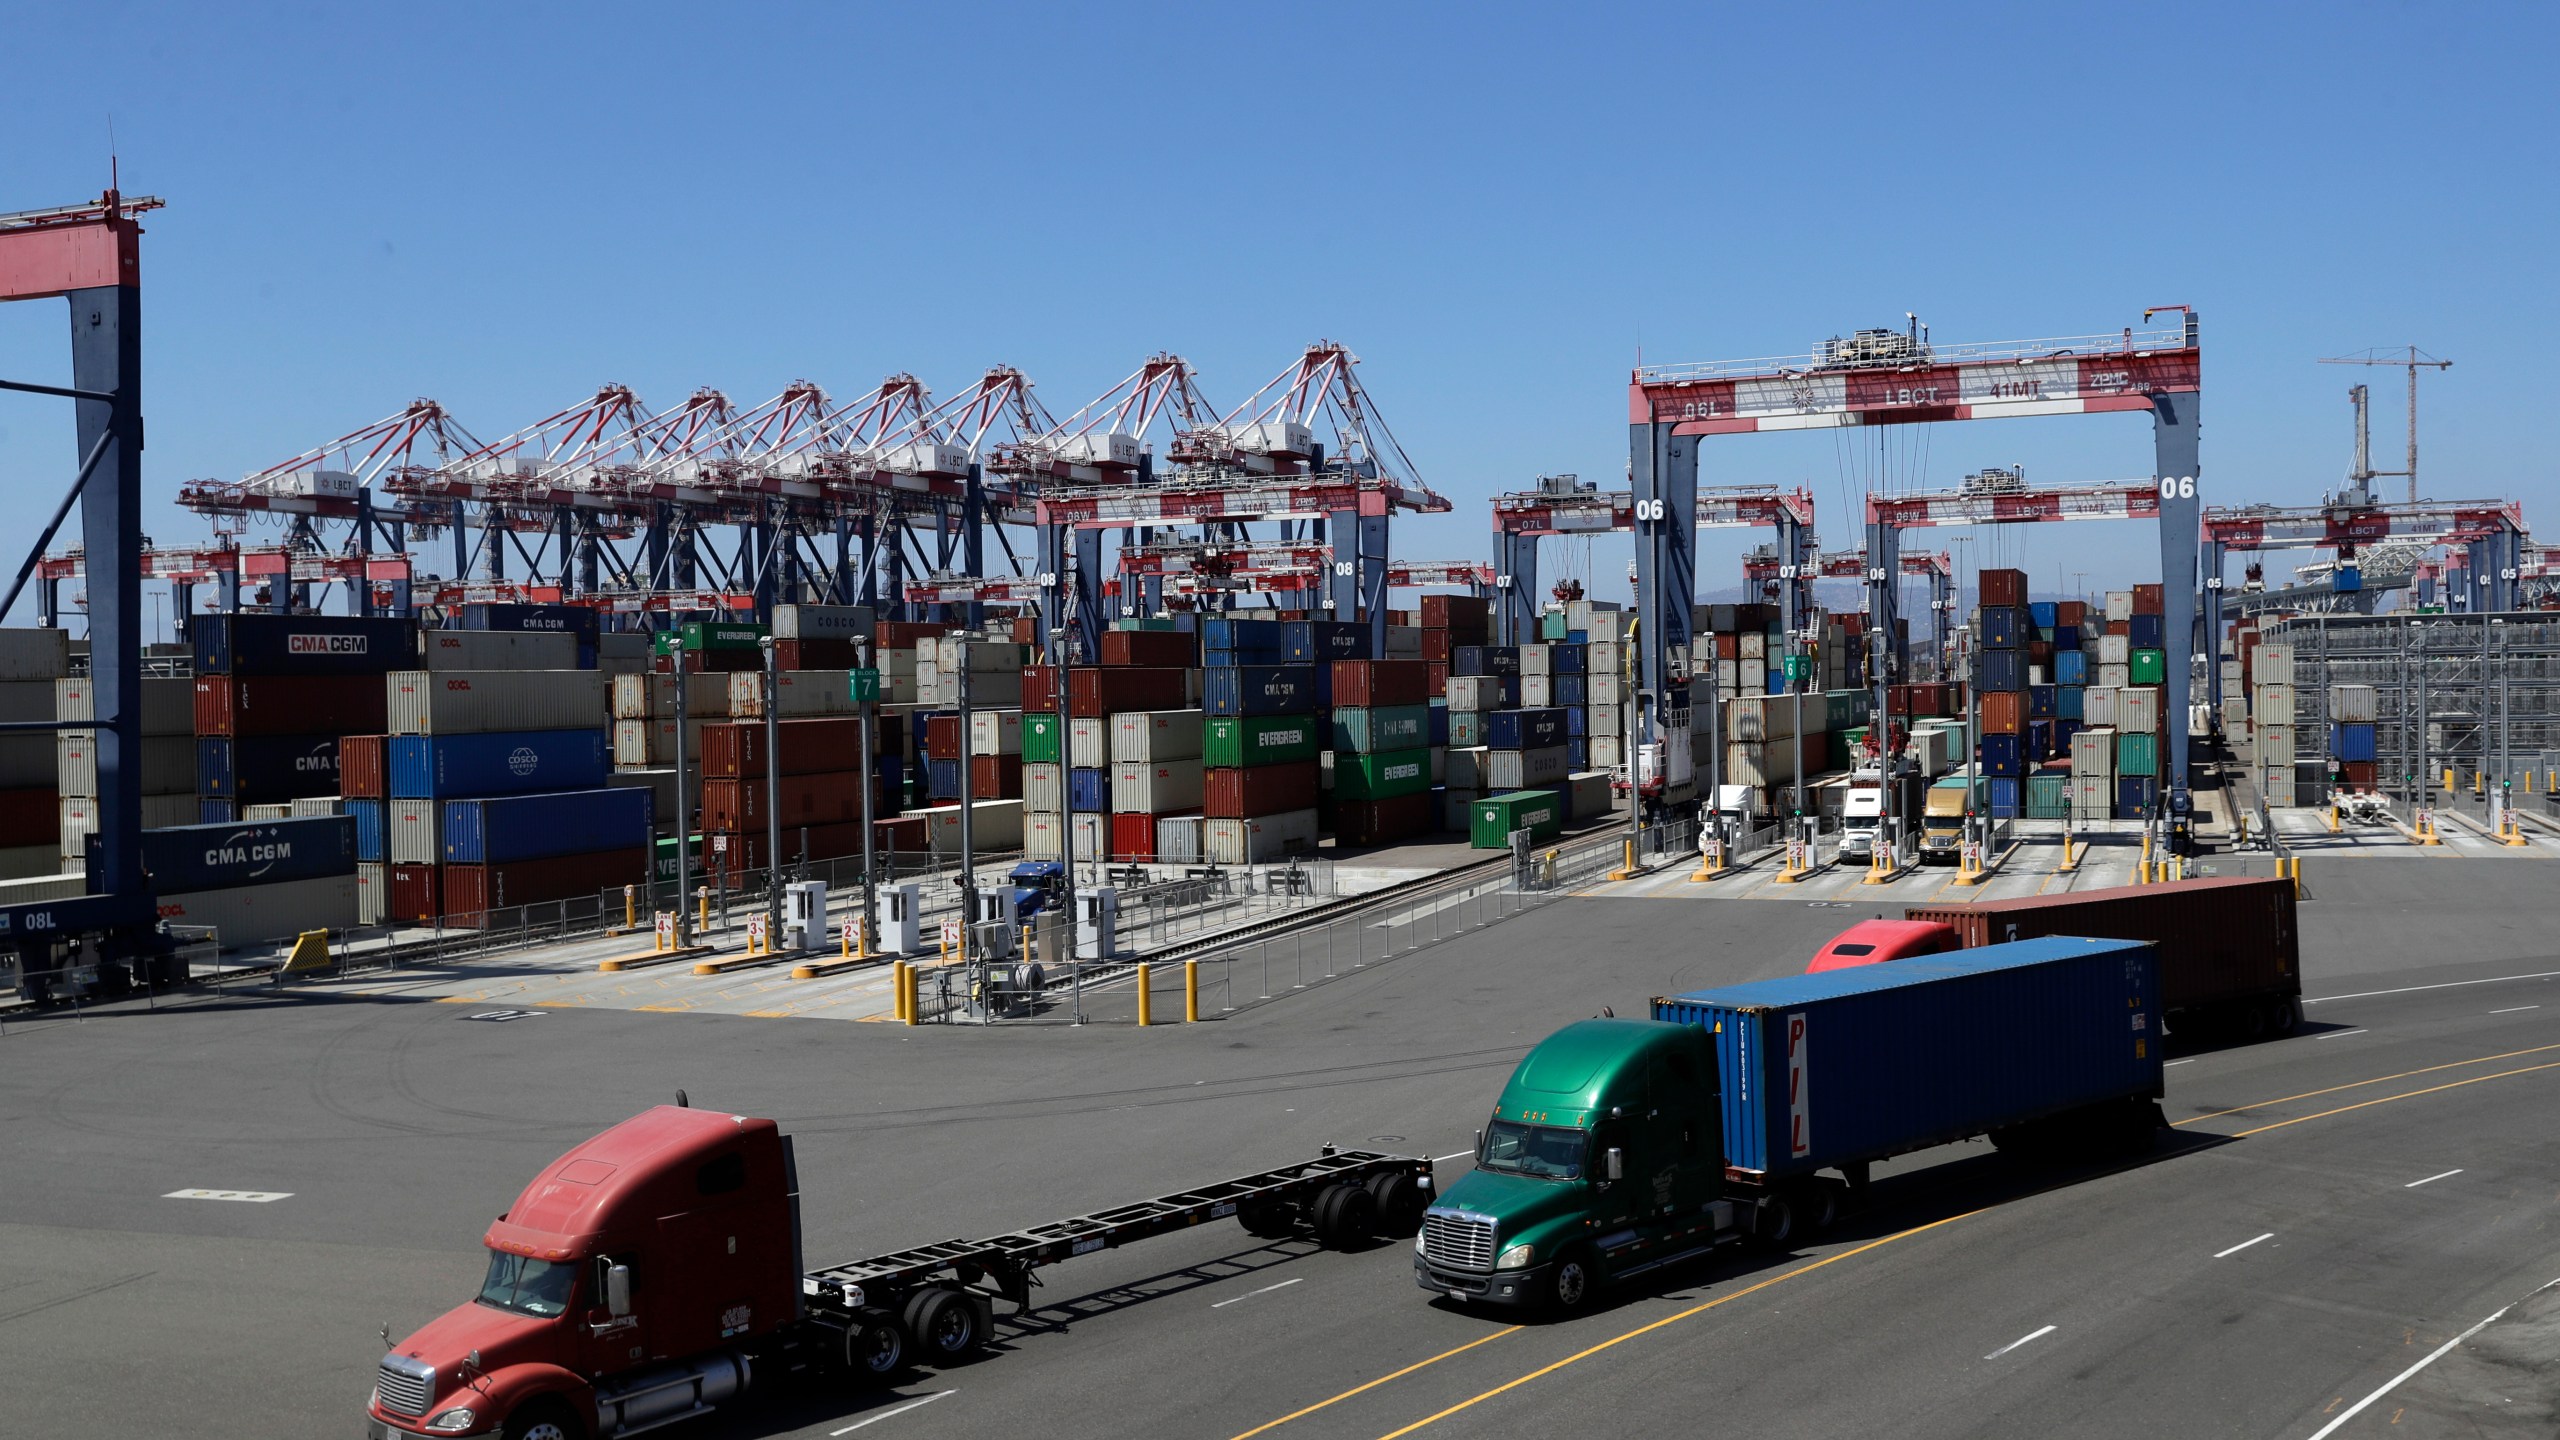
(1570, 1283)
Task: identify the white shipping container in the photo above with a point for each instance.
(1607, 751)
(1760, 718)
(1158, 735)
(55, 885)
(1265, 838)
(2092, 797)
(1537, 692)
(35, 654)
(1537, 660)
(479, 702)
(252, 914)
(1044, 790)
(1092, 832)
(1088, 742)
(985, 657)
(80, 819)
(1159, 787)
(644, 744)
(2233, 677)
(2353, 704)
(168, 706)
(1508, 770)
(2274, 705)
(799, 694)
(1609, 717)
(993, 825)
(497, 650)
(2274, 664)
(2115, 649)
(1475, 692)
(316, 807)
(412, 832)
(2098, 705)
(1044, 837)
(1762, 763)
(2276, 784)
(168, 764)
(2093, 755)
(2235, 714)
(1752, 645)
(373, 892)
(2275, 744)
(259, 814)
(1755, 677)
(648, 696)
(2115, 676)
(995, 732)
(1603, 657)
(821, 622)
(2119, 604)
(2137, 709)
(1178, 840)
(896, 662)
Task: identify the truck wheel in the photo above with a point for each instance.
(1345, 1216)
(543, 1420)
(875, 1346)
(1776, 1225)
(1820, 1208)
(945, 1324)
(1399, 1201)
(1267, 1219)
(2284, 1015)
(1571, 1282)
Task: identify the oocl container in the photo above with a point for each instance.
(463, 702)
(248, 914)
(502, 650)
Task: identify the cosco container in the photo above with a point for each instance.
(464, 702)
(532, 827)
(454, 767)
(1854, 1065)
(260, 769)
(189, 858)
(1498, 817)
(248, 644)
(2224, 945)
(1520, 730)
(501, 650)
(1382, 728)
(1251, 690)
(1245, 741)
(1259, 839)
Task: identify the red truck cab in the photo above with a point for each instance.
(635, 1281)
(1871, 942)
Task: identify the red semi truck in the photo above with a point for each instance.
(653, 1273)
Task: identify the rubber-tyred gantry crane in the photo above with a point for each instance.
(1568, 505)
(1765, 567)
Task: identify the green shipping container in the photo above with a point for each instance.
(1377, 730)
(1848, 707)
(1551, 625)
(2149, 667)
(721, 634)
(1234, 742)
(1495, 817)
(2048, 797)
(1841, 748)
(1044, 739)
(2137, 754)
(1466, 728)
(1381, 777)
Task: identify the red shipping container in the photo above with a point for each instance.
(1133, 837)
(827, 652)
(2069, 612)
(416, 894)
(906, 634)
(747, 848)
(1040, 689)
(2002, 587)
(2222, 943)
(1372, 683)
(1026, 630)
(1436, 645)
(1384, 822)
(2040, 652)
(2356, 774)
(472, 892)
(907, 835)
(290, 704)
(2146, 599)
(1439, 680)
(1116, 690)
(364, 769)
(1728, 647)
(943, 737)
(2004, 712)
(708, 662)
(995, 777)
(1452, 612)
(734, 749)
(1261, 790)
(1150, 647)
(830, 798)
(30, 816)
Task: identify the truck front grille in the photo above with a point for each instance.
(1457, 1239)
(406, 1386)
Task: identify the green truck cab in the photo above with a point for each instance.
(1603, 1160)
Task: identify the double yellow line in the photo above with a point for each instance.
(1806, 1269)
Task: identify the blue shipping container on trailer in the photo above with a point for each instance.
(184, 859)
(303, 645)
(537, 827)
(263, 769)
(515, 762)
(1855, 1065)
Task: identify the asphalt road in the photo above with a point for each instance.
(2334, 1208)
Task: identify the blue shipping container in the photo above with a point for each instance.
(516, 762)
(942, 779)
(2003, 754)
(2145, 631)
(1568, 690)
(2043, 614)
(248, 644)
(1523, 729)
(536, 827)
(2004, 627)
(263, 769)
(1439, 722)
(2069, 702)
(1266, 689)
(1577, 724)
(184, 859)
(1855, 1065)
(2351, 742)
(2070, 667)
(576, 620)
(1089, 790)
(1321, 642)
(2042, 703)
(2002, 669)
(212, 810)
(370, 846)
(2003, 797)
(1777, 682)
(2066, 637)
(1484, 660)
(1253, 642)
(1577, 758)
(1568, 659)
(2134, 794)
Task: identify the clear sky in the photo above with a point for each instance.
(1498, 207)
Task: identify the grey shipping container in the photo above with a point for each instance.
(168, 763)
(413, 832)
(373, 892)
(168, 706)
(1525, 769)
(643, 744)
(1251, 842)
(1835, 1070)
(468, 702)
(651, 696)
(80, 818)
(1140, 787)
(1151, 735)
(497, 650)
(1178, 840)
(821, 622)
(262, 914)
(35, 654)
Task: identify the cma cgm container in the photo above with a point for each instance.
(260, 769)
(1842, 1068)
(188, 858)
(471, 702)
(536, 827)
(303, 645)
(2230, 951)
(453, 767)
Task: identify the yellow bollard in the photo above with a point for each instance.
(907, 991)
(1191, 991)
(1146, 997)
(1025, 951)
(702, 908)
(630, 907)
(2448, 777)
(1879, 865)
(2479, 783)
(862, 937)
(847, 942)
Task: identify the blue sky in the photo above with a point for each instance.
(1495, 206)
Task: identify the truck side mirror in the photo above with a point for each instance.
(617, 1290)
(1479, 1147)
(1613, 1163)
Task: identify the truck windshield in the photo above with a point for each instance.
(1544, 1151)
(538, 1288)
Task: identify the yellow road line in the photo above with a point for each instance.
(1665, 1320)
(2359, 1084)
(1381, 1380)
(2404, 1095)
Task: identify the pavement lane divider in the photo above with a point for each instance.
(891, 1414)
(2404, 1095)
(2430, 1180)
(2021, 1340)
(2359, 1084)
(2243, 1245)
(1381, 1380)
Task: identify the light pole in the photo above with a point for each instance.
(1061, 672)
(866, 692)
(772, 797)
(684, 815)
(968, 834)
